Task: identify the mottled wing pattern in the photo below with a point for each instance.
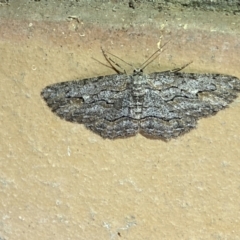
(177, 100)
(100, 103)
(162, 105)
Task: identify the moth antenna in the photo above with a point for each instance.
(110, 62)
(120, 59)
(116, 64)
(147, 63)
(102, 63)
(149, 58)
(160, 50)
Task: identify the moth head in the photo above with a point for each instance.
(137, 71)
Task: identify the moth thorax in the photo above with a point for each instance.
(138, 83)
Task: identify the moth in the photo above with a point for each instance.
(157, 105)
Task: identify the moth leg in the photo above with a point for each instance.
(177, 69)
(181, 68)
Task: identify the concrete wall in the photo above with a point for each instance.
(59, 180)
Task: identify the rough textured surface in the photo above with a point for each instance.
(60, 181)
(160, 105)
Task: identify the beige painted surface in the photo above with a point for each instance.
(61, 181)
